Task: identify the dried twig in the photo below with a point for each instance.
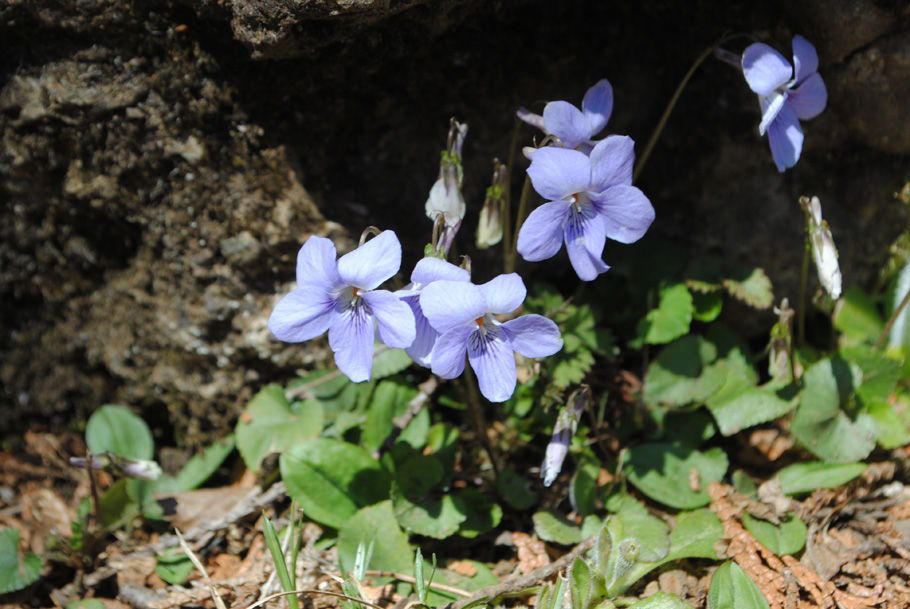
(219, 602)
(525, 581)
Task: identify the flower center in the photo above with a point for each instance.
(479, 321)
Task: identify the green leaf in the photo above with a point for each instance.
(389, 400)
(707, 305)
(114, 429)
(663, 471)
(890, 430)
(743, 406)
(556, 528)
(581, 584)
(752, 287)
(731, 588)
(661, 600)
(173, 566)
(671, 318)
(436, 518)
(331, 479)
(201, 467)
(819, 422)
(584, 489)
(388, 361)
(680, 375)
(856, 317)
(571, 368)
(515, 490)
(377, 524)
(481, 514)
(85, 603)
(880, 373)
(695, 535)
(482, 578)
(788, 537)
(115, 504)
(806, 477)
(269, 424)
(629, 546)
(16, 573)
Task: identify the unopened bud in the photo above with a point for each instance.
(824, 251)
(563, 430)
(445, 198)
(121, 466)
(489, 228)
(780, 346)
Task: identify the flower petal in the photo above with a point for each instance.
(451, 303)
(316, 263)
(371, 263)
(568, 123)
(448, 355)
(493, 362)
(301, 315)
(533, 335)
(394, 318)
(541, 234)
(627, 213)
(770, 108)
(585, 238)
(504, 294)
(558, 173)
(428, 270)
(805, 59)
(535, 120)
(351, 339)
(597, 106)
(786, 139)
(765, 69)
(809, 98)
(611, 162)
(425, 338)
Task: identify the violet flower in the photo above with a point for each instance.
(340, 296)
(426, 272)
(787, 94)
(563, 430)
(575, 128)
(462, 313)
(589, 199)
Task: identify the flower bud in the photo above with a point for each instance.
(563, 430)
(489, 228)
(445, 197)
(824, 251)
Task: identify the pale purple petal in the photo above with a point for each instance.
(612, 160)
(541, 234)
(493, 362)
(425, 337)
(627, 213)
(809, 98)
(394, 318)
(535, 120)
(805, 59)
(351, 339)
(448, 355)
(558, 173)
(533, 335)
(428, 270)
(504, 293)
(585, 238)
(765, 69)
(786, 139)
(566, 122)
(301, 315)
(597, 106)
(316, 263)
(371, 263)
(770, 108)
(447, 304)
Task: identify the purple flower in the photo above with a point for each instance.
(786, 93)
(426, 272)
(575, 128)
(462, 313)
(340, 296)
(589, 199)
(563, 430)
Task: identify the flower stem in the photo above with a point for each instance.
(676, 95)
(506, 210)
(887, 329)
(480, 423)
(803, 280)
(519, 220)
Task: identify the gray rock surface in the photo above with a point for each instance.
(162, 162)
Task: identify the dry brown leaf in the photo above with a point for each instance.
(532, 553)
